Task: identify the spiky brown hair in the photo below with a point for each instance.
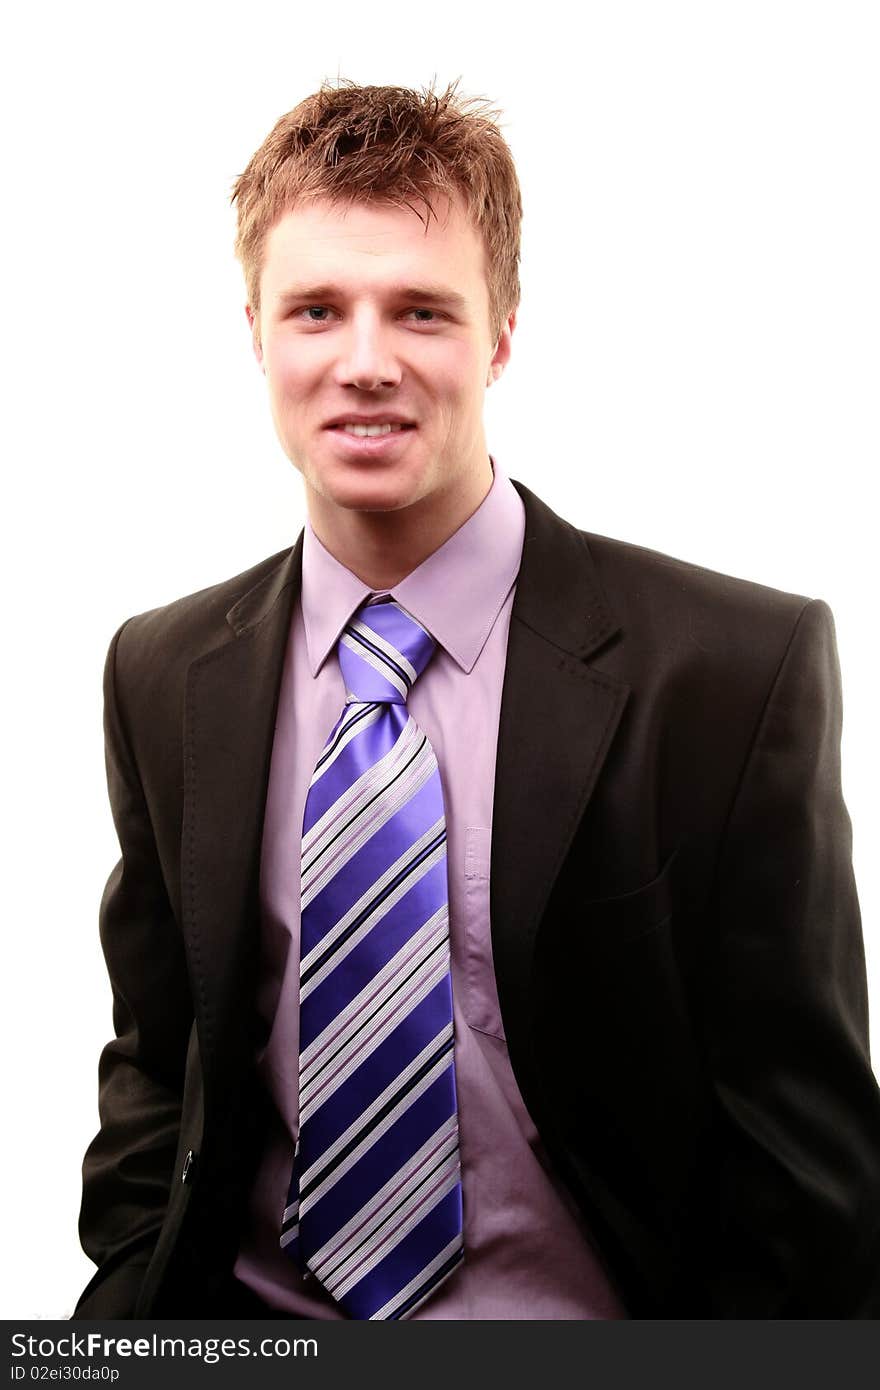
(395, 145)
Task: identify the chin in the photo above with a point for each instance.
(365, 490)
(371, 499)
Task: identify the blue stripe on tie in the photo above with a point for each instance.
(437, 1277)
(380, 1162)
(377, 1071)
(360, 813)
(366, 748)
(405, 1261)
(383, 656)
(355, 970)
(351, 717)
(368, 864)
(346, 1048)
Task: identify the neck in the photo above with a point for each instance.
(383, 547)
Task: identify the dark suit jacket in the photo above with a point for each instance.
(675, 928)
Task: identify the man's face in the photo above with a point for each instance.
(366, 314)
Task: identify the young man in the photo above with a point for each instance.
(485, 941)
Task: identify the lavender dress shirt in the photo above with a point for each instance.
(528, 1253)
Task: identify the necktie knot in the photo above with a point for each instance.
(382, 652)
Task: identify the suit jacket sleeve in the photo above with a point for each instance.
(127, 1170)
(787, 1019)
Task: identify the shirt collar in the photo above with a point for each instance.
(456, 593)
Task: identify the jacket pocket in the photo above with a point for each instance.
(628, 916)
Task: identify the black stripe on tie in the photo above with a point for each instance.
(376, 1119)
(363, 711)
(383, 656)
(328, 1274)
(307, 868)
(405, 873)
(383, 1003)
(424, 1289)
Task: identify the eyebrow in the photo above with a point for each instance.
(420, 294)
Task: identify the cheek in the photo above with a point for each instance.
(458, 374)
(288, 379)
(290, 372)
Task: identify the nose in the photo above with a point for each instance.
(367, 359)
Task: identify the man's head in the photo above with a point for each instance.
(358, 197)
(354, 144)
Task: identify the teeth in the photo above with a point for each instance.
(367, 431)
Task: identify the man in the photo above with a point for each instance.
(485, 941)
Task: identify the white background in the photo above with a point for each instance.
(695, 369)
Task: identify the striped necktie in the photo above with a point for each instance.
(374, 1209)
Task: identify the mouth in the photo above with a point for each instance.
(382, 441)
(359, 431)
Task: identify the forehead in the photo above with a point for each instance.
(369, 244)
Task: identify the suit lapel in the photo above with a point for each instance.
(558, 719)
(231, 701)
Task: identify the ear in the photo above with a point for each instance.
(253, 318)
(501, 355)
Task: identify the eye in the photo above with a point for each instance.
(320, 314)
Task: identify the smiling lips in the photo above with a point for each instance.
(369, 439)
(368, 431)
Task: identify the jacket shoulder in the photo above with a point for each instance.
(652, 591)
(204, 611)
(151, 652)
(195, 623)
(662, 599)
